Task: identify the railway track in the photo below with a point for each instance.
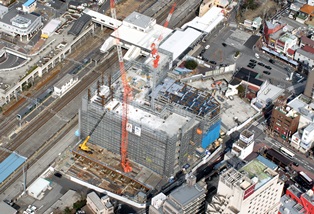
(46, 115)
(10, 122)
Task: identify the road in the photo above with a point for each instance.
(305, 164)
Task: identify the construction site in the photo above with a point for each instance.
(139, 127)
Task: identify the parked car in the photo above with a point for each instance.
(220, 98)
(268, 67)
(266, 72)
(253, 60)
(271, 61)
(256, 55)
(231, 97)
(207, 46)
(261, 64)
(213, 62)
(224, 44)
(58, 174)
(251, 66)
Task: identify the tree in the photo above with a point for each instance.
(241, 91)
(79, 204)
(67, 210)
(190, 64)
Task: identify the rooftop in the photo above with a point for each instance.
(256, 168)
(299, 105)
(15, 15)
(309, 196)
(248, 76)
(269, 93)
(10, 164)
(208, 21)
(140, 20)
(308, 9)
(279, 156)
(310, 127)
(96, 200)
(28, 3)
(287, 37)
(267, 162)
(308, 49)
(288, 204)
(185, 194)
(246, 133)
(179, 41)
(307, 41)
(193, 100)
(7, 209)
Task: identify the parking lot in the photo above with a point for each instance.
(219, 51)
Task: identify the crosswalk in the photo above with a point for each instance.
(255, 123)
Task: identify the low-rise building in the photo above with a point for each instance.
(244, 146)
(7, 209)
(99, 205)
(17, 23)
(305, 55)
(296, 201)
(61, 87)
(38, 188)
(188, 198)
(285, 41)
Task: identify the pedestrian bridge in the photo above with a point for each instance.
(102, 19)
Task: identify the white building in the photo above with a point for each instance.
(38, 188)
(305, 55)
(253, 189)
(99, 205)
(244, 146)
(17, 23)
(61, 87)
(267, 94)
(209, 21)
(307, 138)
(29, 6)
(286, 41)
(50, 28)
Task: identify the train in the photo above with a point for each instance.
(32, 105)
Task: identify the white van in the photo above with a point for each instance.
(256, 55)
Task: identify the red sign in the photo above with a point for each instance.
(249, 191)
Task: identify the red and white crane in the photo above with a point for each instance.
(126, 93)
(154, 45)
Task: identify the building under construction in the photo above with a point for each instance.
(165, 125)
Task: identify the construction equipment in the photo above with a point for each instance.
(83, 146)
(126, 93)
(154, 45)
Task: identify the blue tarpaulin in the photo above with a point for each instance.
(28, 3)
(10, 164)
(211, 135)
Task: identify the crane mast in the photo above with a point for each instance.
(126, 91)
(154, 45)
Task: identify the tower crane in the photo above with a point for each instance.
(154, 45)
(126, 93)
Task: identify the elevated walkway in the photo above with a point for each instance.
(102, 19)
(132, 53)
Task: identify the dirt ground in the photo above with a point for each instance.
(267, 6)
(126, 7)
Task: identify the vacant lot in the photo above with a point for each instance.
(265, 6)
